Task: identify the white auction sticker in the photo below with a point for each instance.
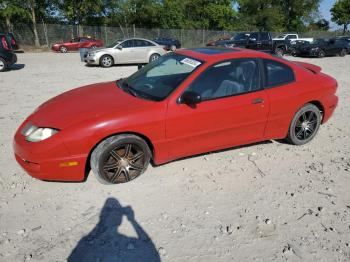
(190, 62)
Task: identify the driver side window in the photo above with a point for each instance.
(127, 44)
(228, 79)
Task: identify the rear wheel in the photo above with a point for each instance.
(120, 159)
(63, 49)
(321, 54)
(154, 57)
(342, 52)
(106, 61)
(304, 125)
(2, 65)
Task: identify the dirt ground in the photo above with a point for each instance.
(265, 202)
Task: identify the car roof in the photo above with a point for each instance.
(138, 38)
(213, 54)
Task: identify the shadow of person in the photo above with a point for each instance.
(104, 243)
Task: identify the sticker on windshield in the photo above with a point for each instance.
(190, 62)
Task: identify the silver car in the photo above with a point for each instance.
(129, 51)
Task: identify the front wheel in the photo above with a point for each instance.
(120, 159)
(2, 65)
(106, 61)
(321, 54)
(63, 49)
(153, 57)
(304, 125)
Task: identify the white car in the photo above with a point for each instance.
(292, 38)
(129, 51)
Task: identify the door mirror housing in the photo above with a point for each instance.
(190, 98)
(119, 47)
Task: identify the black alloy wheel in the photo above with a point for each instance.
(321, 54)
(304, 125)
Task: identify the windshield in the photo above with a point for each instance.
(241, 36)
(317, 41)
(158, 79)
(114, 43)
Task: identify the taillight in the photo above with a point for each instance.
(4, 43)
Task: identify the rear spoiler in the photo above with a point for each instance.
(313, 68)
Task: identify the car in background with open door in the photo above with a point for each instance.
(7, 56)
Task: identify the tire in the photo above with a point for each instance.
(304, 125)
(106, 61)
(3, 66)
(153, 57)
(321, 54)
(343, 53)
(120, 159)
(279, 52)
(63, 49)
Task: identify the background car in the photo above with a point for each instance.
(129, 51)
(182, 104)
(7, 56)
(322, 47)
(171, 44)
(219, 41)
(346, 39)
(77, 43)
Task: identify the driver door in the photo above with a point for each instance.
(125, 55)
(233, 110)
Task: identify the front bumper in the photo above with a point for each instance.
(48, 160)
(91, 60)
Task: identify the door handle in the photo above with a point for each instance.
(257, 101)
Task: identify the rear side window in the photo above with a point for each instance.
(277, 74)
(264, 36)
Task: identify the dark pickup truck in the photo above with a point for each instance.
(261, 41)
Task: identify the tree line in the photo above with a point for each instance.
(238, 15)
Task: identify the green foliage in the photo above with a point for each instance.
(263, 15)
(243, 15)
(341, 13)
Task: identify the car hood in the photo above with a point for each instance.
(102, 49)
(85, 103)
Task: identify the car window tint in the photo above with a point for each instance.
(127, 44)
(277, 73)
(292, 37)
(83, 40)
(264, 36)
(254, 35)
(227, 79)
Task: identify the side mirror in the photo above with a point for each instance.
(139, 66)
(191, 98)
(252, 39)
(119, 47)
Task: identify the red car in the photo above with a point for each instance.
(76, 43)
(182, 104)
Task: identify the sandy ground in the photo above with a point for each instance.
(264, 202)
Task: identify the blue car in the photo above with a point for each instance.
(171, 44)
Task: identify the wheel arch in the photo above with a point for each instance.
(144, 137)
(319, 105)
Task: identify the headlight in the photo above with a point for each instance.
(314, 49)
(92, 53)
(36, 134)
